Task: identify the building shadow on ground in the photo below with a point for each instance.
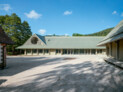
(2, 81)
(16, 65)
(82, 77)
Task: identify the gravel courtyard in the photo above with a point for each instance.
(85, 73)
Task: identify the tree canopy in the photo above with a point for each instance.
(19, 31)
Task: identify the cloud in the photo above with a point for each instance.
(67, 12)
(114, 12)
(5, 7)
(42, 31)
(33, 14)
(66, 34)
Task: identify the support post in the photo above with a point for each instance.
(25, 52)
(37, 52)
(117, 50)
(43, 51)
(111, 49)
(31, 52)
(84, 51)
(61, 52)
(96, 51)
(79, 51)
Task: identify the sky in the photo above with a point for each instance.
(65, 17)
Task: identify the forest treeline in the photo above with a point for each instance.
(101, 33)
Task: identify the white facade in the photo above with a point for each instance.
(64, 51)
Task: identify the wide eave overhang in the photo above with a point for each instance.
(109, 40)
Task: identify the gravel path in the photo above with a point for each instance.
(60, 74)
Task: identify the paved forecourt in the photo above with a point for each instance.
(66, 73)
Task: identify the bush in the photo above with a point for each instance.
(9, 53)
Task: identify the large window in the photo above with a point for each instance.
(72, 51)
(69, 51)
(81, 51)
(28, 51)
(93, 51)
(76, 51)
(58, 51)
(40, 51)
(34, 50)
(65, 51)
(99, 51)
(46, 51)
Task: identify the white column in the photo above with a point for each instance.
(96, 51)
(25, 52)
(61, 52)
(43, 51)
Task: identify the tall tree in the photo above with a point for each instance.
(17, 30)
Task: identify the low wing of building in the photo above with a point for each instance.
(114, 42)
(62, 45)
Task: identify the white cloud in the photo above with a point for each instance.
(66, 34)
(67, 12)
(5, 7)
(42, 31)
(114, 12)
(33, 14)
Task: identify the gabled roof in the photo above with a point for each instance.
(52, 42)
(42, 38)
(4, 38)
(114, 35)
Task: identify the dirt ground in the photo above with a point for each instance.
(85, 73)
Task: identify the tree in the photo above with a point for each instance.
(18, 31)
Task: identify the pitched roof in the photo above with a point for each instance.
(52, 42)
(114, 35)
(4, 38)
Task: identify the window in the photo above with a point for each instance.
(81, 51)
(34, 40)
(76, 51)
(41, 51)
(93, 51)
(46, 51)
(64, 51)
(69, 51)
(72, 51)
(34, 51)
(58, 51)
(99, 51)
(28, 51)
